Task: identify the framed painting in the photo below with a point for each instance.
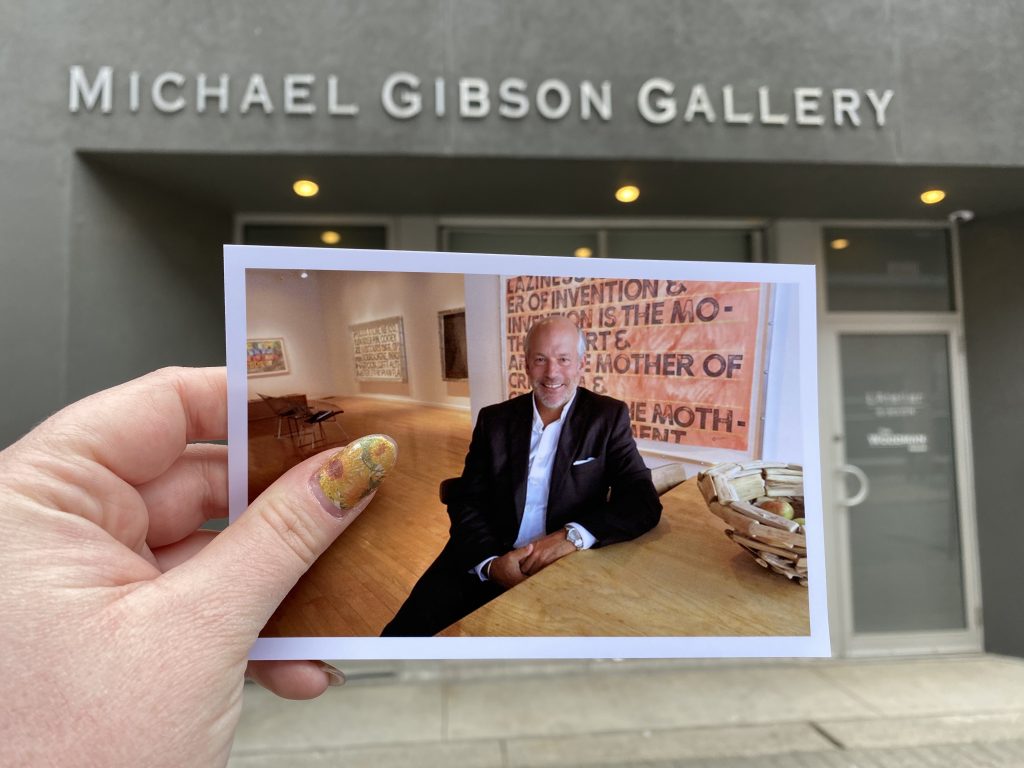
(451, 328)
(265, 357)
(378, 350)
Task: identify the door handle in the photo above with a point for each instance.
(862, 492)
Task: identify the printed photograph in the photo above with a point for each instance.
(624, 459)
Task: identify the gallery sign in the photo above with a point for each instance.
(406, 96)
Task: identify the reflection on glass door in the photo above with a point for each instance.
(904, 537)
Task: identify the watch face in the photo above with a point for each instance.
(575, 537)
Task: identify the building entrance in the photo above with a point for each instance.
(896, 465)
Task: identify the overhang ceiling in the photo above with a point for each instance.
(538, 187)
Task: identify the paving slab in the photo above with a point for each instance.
(932, 686)
(830, 714)
(480, 754)
(1005, 754)
(667, 698)
(935, 729)
(352, 714)
(616, 748)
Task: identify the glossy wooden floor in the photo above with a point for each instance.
(356, 587)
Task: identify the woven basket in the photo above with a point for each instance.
(776, 542)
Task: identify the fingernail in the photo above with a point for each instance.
(335, 676)
(353, 473)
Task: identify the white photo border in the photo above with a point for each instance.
(239, 258)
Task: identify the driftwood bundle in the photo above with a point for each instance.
(734, 492)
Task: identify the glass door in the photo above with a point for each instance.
(900, 491)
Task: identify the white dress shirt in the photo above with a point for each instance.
(543, 446)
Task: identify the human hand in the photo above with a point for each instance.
(507, 570)
(126, 629)
(546, 550)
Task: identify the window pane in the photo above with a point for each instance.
(529, 242)
(686, 245)
(318, 235)
(905, 538)
(870, 270)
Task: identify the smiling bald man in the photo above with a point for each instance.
(548, 473)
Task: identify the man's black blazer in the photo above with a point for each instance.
(598, 478)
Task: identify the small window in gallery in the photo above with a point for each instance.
(326, 235)
(681, 244)
(677, 244)
(528, 242)
(888, 270)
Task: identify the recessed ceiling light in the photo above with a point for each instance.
(933, 196)
(303, 275)
(839, 244)
(627, 194)
(330, 237)
(583, 253)
(305, 188)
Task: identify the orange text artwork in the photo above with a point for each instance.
(681, 354)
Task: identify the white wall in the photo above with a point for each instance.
(358, 297)
(279, 303)
(794, 241)
(483, 339)
(313, 316)
(782, 425)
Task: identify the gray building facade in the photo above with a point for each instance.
(136, 139)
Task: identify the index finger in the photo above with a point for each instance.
(138, 429)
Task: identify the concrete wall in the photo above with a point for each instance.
(949, 104)
(145, 285)
(993, 273)
(35, 165)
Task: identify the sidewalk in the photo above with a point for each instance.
(936, 711)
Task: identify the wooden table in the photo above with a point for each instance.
(682, 579)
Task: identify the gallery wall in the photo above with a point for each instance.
(992, 276)
(349, 298)
(281, 304)
(145, 288)
(314, 314)
(782, 423)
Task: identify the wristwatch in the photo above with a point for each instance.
(574, 537)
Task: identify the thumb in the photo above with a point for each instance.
(524, 552)
(249, 568)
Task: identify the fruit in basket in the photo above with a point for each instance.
(768, 524)
(779, 507)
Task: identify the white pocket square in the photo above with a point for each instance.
(583, 461)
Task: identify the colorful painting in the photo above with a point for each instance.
(265, 357)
